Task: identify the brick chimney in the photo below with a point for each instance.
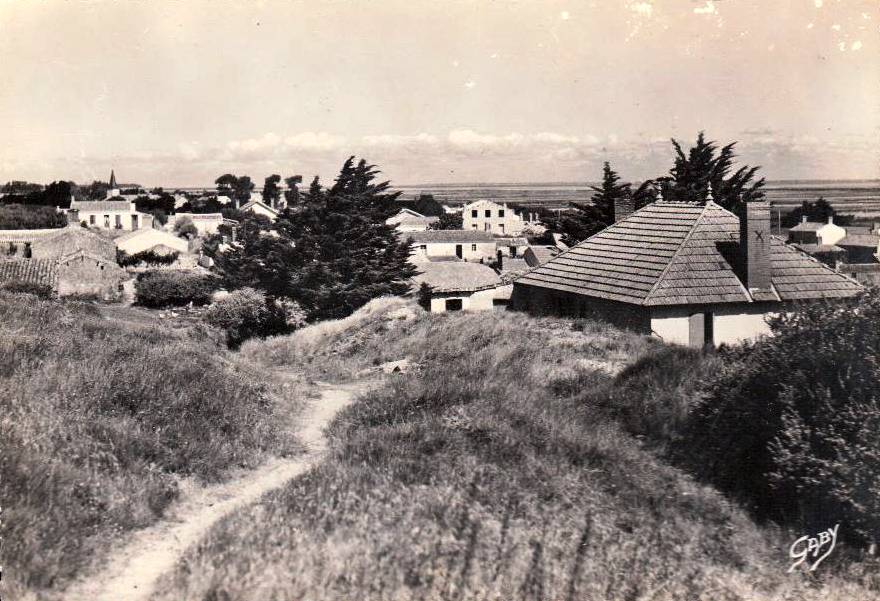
(754, 241)
(623, 207)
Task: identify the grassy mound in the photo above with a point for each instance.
(504, 468)
(100, 421)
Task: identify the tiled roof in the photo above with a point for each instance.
(808, 226)
(31, 271)
(414, 219)
(108, 206)
(512, 241)
(817, 248)
(510, 264)
(541, 254)
(449, 236)
(860, 240)
(457, 276)
(674, 253)
(29, 235)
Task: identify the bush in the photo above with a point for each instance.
(791, 423)
(173, 288)
(30, 217)
(148, 257)
(247, 313)
(185, 227)
(20, 287)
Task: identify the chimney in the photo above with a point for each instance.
(803, 218)
(831, 220)
(623, 207)
(754, 241)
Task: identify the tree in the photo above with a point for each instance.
(291, 195)
(226, 185)
(28, 217)
(334, 256)
(705, 167)
(586, 220)
(271, 191)
(448, 221)
(57, 194)
(818, 211)
(97, 190)
(428, 206)
(242, 190)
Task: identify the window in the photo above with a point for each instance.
(474, 213)
(454, 304)
(119, 222)
(27, 250)
(134, 222)
(501, 227)
(474, 226)
(501, 212)
(107, 221)
(474, 247)
(488, 213)
(424, 247)
(91, 220)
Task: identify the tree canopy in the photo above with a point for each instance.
(271, 192)
(818, 211)
(333, 255)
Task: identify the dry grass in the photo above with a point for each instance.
(494, 472)
(101, 420)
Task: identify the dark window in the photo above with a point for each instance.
(107, 221)
(91, 220)
(134, 222)
(488, 213)
(512, 251)
(458, 251)
(119, 222)
(454, 304)
(474, 247)
(474, 213)
(27, 250)
(501, 212)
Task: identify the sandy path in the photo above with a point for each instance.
(134, 568)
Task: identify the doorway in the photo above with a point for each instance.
(458, 251)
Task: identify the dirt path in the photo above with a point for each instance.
(134, 568)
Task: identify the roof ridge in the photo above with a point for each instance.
(675, 255)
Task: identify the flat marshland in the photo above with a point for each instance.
(104, 421)
(517, 458)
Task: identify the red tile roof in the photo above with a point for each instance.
(675, 253)
(31, 271)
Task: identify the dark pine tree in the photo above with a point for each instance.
(706, 167)
(271, 192)
(334, 255)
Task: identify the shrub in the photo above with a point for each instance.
(247, 313)
(791, 422)
(173, 288)
(21, 287)
(148, 257)
(185, 227)
(29, 217)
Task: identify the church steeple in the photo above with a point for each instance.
(113, 185)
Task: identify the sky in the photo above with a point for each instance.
(175, 94)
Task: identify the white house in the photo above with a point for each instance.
(408, 220)
(111, 214)
(811, 232)
(688, 273)
(206, 223)
(467, 245)
(487, 216)
(258, 207)
(459, 286)
(150, 239)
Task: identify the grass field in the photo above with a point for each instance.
(103, 420)
(517, 460)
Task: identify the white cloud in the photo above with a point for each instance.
(707, 9)
(400, 141)
(644, 9)
(314, 141)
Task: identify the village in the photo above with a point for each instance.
(688, 273)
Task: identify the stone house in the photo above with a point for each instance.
(689, 273)
(475, 246)
(811, 232)
(488, 216)
(407, 220)
(54, 243)
(459, 286)
(111, 214)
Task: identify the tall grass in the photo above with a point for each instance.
(495, 472)
(101, 420)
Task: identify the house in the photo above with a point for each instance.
(206, 223)
(462, 244)
(488, 216)
(110, 214)
(688, 273)
(54, 243)
(536, 256)
(258, 207)
(408, 220)
(159, 242)
(867, 274)
(458, 286)
(860, 247)
(73, 274)
(811, 232)
(511, 246)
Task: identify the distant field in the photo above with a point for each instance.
(860, 197)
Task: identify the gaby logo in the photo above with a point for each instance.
(810, 546)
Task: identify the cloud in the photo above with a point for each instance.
(314, 141)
